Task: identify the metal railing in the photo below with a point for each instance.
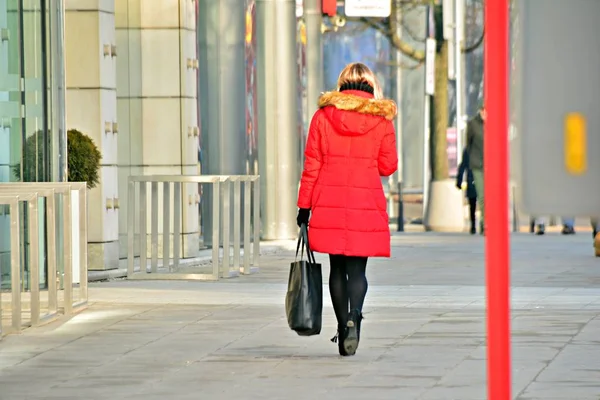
(224, 263)
(56, 300)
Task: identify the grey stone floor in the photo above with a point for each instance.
(424, 333)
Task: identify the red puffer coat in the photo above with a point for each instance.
(351, 145)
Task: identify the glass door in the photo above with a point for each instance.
(35, 152)
(24, 145)
(11, 123)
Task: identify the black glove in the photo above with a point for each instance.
(303, 216)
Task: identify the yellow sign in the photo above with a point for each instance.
(248, 27)
(302, 32)
(575, 144)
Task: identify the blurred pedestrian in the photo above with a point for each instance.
(351, 145)
(471, 192)
(475, 134)
(538, 222)
(595, 229)
(595, 222)
(568, 226)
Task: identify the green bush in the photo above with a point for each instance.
(83, 158)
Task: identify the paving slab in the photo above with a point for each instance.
(424, 332)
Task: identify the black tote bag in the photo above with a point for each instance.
(304, 298)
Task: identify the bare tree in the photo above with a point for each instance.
(389, 27)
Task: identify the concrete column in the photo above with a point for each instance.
(459, 16)
(92, 108)
(157, 101)
(396, 74)
(277, 117)
(412, 108)
(313, 16)
(56, 25)
(222, 88)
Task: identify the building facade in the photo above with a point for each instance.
(166, 87)
(132, 87)
(126, 73)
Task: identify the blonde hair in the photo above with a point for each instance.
(359, 73)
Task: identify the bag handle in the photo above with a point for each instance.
(309, 252)
(303, 242)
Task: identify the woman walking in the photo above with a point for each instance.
(471, 191)
(351, 145)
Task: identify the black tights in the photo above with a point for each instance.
(347, 284)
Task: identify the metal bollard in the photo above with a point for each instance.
(515, 211)
(237, 211)
(256, 222)
(400, 208)
(246, 268)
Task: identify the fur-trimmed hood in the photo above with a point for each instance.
(356, 113)
(364, 105)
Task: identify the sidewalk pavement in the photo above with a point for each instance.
(424, 333)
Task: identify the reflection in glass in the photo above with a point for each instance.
(251, 97)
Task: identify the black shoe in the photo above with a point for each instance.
(532, 226)
(473, 230)
(339, 338)
(541, 229)
(568, 230)
(353, 337)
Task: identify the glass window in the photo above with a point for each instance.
(10, 89)
(26, 104)
(10, 116)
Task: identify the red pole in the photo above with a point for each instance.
(497, 250)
